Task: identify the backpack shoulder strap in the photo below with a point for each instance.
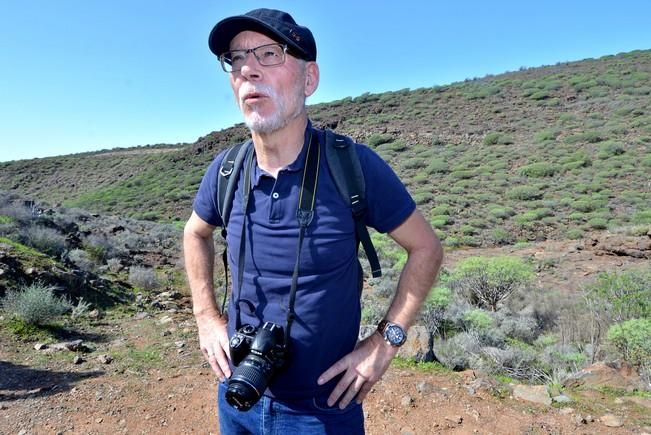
(346, 171)
(229, 172)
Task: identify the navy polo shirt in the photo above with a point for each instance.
(327, 302)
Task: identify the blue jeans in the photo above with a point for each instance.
(274, 417)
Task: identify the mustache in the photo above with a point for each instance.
(256, 89)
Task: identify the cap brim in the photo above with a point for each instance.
(223, 33)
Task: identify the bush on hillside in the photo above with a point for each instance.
(143, 278)
(487, 281)
(35, 304)
(633, 339)
(43, 239)
(618, 297)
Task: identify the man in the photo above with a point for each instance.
(271, 62)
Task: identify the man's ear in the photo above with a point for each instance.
(311, 78)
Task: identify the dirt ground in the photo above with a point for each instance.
(157, 382)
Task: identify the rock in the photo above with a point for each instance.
(141, 315)
(616, 244)
(407, 431)
(95, 314)
(425, 387)
(418, 345)
(622, 377)
(179, 344)
(456, 419)
(166, 333)
(77, 360)
(172, 294)
(407, 401)
(579, 419)
(611, 420)
(561, 398)
(165, 320)
(73, 346)
(99, 420)
(40, 346)
(566, 411)
(105, 359)
(532, 393)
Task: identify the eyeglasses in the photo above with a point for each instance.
(267, 55)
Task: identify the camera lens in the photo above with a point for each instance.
(248, 382)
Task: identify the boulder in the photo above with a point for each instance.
(532, 393)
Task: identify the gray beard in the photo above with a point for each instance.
(279, 119)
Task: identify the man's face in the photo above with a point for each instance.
(268, 96)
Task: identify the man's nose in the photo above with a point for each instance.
(251, 67)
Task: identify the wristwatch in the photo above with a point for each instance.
(392, 333)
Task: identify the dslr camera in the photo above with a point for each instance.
(258, 355)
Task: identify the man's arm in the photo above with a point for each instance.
(199, 253)
(365, 365)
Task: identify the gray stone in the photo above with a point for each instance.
(165, 320)
(407, 401)
(532, 393)
(105, 359)
(425, 387)
(142, 315)
(456, 419)
(74, 346)
(611, 420)
(40, 346)
(77, 359)
(561, 398)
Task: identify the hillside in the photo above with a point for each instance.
(541, 153)
(540, 322)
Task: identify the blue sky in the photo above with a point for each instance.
(82, 75)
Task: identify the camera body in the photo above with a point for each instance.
(258, 355)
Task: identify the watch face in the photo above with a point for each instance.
(395, 335)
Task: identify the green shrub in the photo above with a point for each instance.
(598, 223)
(35, 304)
(500, 236)
(413, 163)
(622, 296)
(585, 206)
(500, 212)
(423, 197)
(478, 319)
(491, 138)
(437, 166)
(538, 170)
(439, 221)
(633, 339)
(574, 234)
(489, 280)
(546, 135)
(610, 149)
(378, 139)
(524, 193)
(642, 217)
(443, 209)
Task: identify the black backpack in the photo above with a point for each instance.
(346, 171)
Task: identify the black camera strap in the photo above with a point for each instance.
(304, 215)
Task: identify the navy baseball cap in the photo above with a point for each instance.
(278, 25)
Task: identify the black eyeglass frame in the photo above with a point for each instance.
(227, 66)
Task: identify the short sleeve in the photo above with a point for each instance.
(205, 202)
(388, 201)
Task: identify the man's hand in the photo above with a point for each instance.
(213, 341)
(362, 368)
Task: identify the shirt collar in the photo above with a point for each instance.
(296, 165)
